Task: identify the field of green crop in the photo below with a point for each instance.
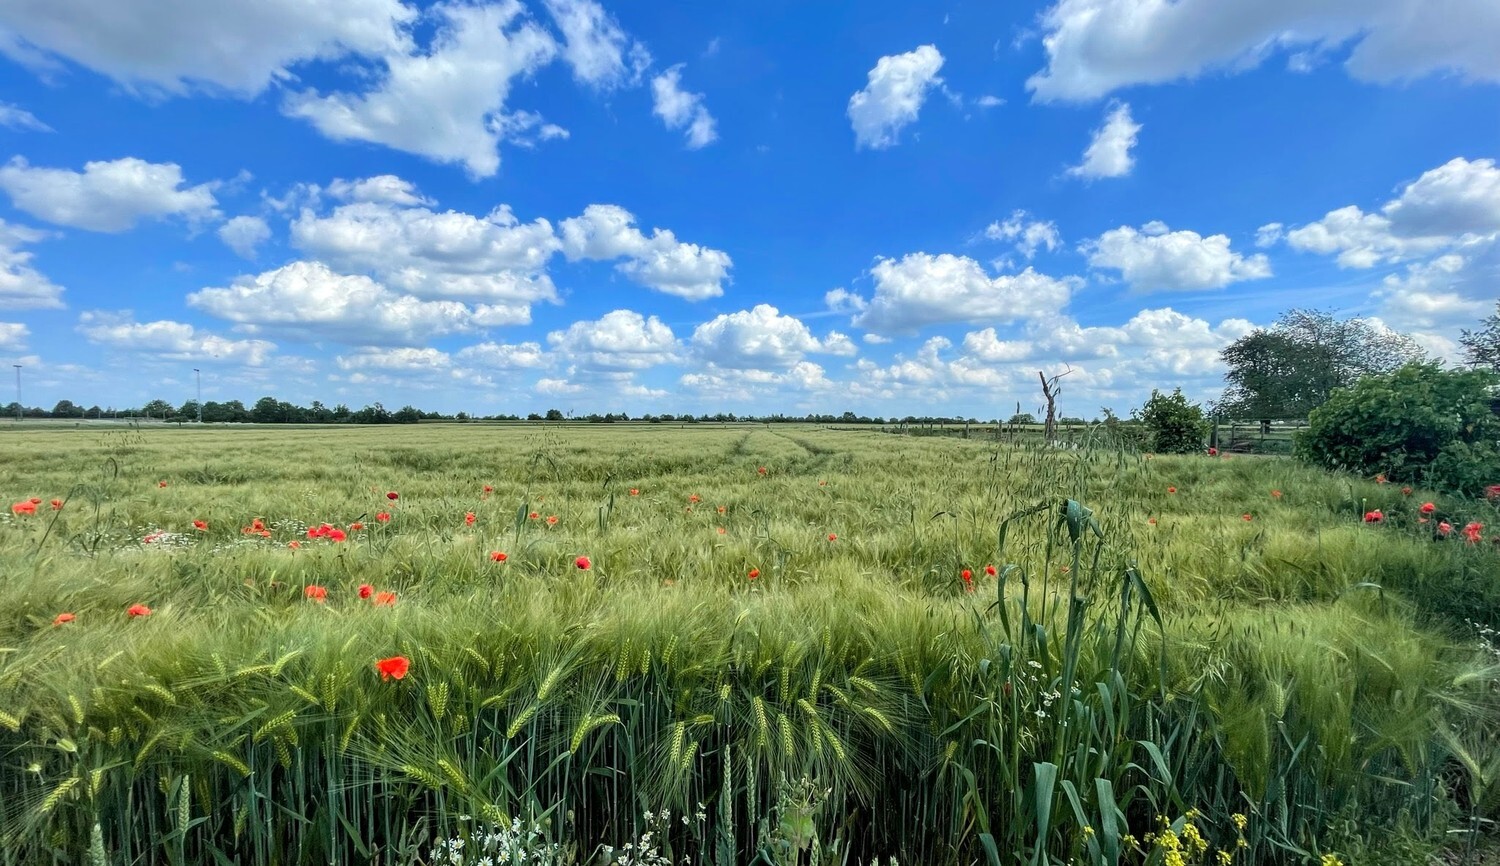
(646, 645)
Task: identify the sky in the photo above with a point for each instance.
(888, 208)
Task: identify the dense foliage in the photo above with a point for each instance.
(1420, 424)
(1174, 424)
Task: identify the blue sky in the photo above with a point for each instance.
(886, 208)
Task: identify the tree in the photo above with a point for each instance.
(1174, 423)
(1290, 368)
(1482, 347)
(66, 409)
(158, 409)
(1421, 424)
(267, 410)
(554, 415)
(1022, 418)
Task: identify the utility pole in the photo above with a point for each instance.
(18, 391)
(198, 374)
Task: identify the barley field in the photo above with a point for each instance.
(726, 645)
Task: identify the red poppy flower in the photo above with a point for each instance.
(1246, 517)
(393, 496)
(1171, 489)
(754, 573)
(315, 593)
(161, 484)
(498, 555)
(694, 498)
(489, 489)
(1380, 479)
(366, 590)
(761, 470)
(294, 545)
(722, 509)
(200, 525)
(1427, 508)
(265, 533)
(257, 525)
(1492, 492)
(635, 491)
(1474, 532)
(136, 610)
(62, 618)
(1213, 452)
(469, 518)
(533, 515)
(356, 526)
(1374, 516)
(833, 536)
(393, 667)
(722, 530)
(1151, 520)
(1444, 528)
(313, 532)
(990, 570)
(23, 508)
(57, 505)
(385, 599)
(583, 563)
(335, 534)
(1406, 491)
(1275, 494)
(552, 520)
(383, 517)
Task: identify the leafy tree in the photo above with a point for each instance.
(158, 409)
(267, 410)
(554, 415)
(67, 409)
(1421, 424)
(1022, 418)
(1482, 347)
(1290, 368)
(1174, 424)
(407, 415)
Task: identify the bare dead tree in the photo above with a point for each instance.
(1050, 391)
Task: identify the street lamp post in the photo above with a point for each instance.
(18, 391)
(198, 375)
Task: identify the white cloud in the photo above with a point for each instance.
(1097, 46)
(13, 337)
(173, 341)
(447, 103)
(23, 287)
(503, 356)
(243, 234)
(173, 46)
(381, 189)
(680, 109)
(621, 340)
(401, 359)
(660, 262)
(1028, 235)
(922, 289)
(1156, 258)
(106, 196)
(893, 96)
(1108, 154)
(307, 300)
(989, 101)
(842, 300)
(723, 384)
(16, 117)
(1456, 202)
(762, 338)
(495, 258)
(1269, 235)
(601, 54)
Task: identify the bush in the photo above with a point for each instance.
(1421, 424)
(1174, 424)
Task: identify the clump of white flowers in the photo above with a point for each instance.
(491, 846)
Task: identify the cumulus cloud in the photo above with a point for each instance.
(309, 301)
(1457, 202)
(241, 48)
(893, 96)
(922, 289)
(622, 340)
(381, 189)
(762, 338)
(503, 356)
(106, 196)
(446, 103)
(13, 337)
(1028, 235)
(679, 109)
(399, 359)
(660, 261)
(600, 52)
(1095, 47)
(492, 259)
(23, 287)
(1158, 259)
(173, 341)
(243, 234)
(1108, 154)
(735, 385)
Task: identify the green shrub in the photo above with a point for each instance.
(1174, 423)
(1421, 424)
